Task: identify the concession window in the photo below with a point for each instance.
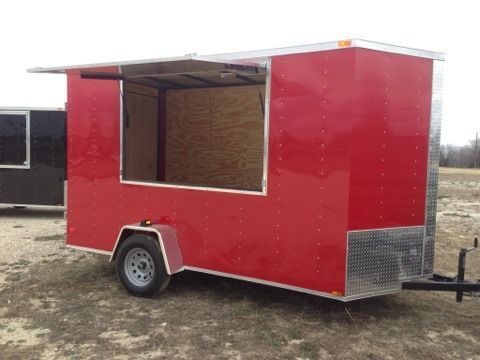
(194, 123)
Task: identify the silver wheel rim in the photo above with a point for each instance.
(139, 267)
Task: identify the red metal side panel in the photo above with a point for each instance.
(92, 161)
(295, 235)
(311, 106)
(390, 140)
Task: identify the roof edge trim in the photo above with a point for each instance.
(258, 56)
(30, 108)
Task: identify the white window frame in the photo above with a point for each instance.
(262, 192)
(26, 163)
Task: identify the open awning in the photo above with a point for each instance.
(215, 70)
(188, 71)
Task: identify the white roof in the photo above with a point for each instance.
(257, 57)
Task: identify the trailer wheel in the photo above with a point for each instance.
(140, 266)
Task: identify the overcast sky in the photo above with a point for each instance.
(48, 33)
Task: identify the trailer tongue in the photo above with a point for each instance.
(456, 283)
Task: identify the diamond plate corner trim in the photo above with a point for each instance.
(433, 161)
(379, 260)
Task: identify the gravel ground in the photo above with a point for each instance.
(30, 235)
(35, 228)
(58, 303)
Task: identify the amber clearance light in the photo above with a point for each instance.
(344, 43)
(146, 222)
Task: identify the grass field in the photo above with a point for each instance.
(58, 303)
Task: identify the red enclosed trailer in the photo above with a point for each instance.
(312, 168)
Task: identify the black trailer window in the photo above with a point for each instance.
(14, 139)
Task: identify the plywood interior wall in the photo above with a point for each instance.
(214, 137)
(141, 132)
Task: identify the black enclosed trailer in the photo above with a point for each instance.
(32, 156)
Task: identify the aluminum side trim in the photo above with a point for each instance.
(389, 228)
(291, 287)
(92, 250)
(266, 126)
(433, 164)
(263, 282)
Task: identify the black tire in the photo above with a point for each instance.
(149, 253)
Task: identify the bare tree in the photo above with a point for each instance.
(467, 156)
